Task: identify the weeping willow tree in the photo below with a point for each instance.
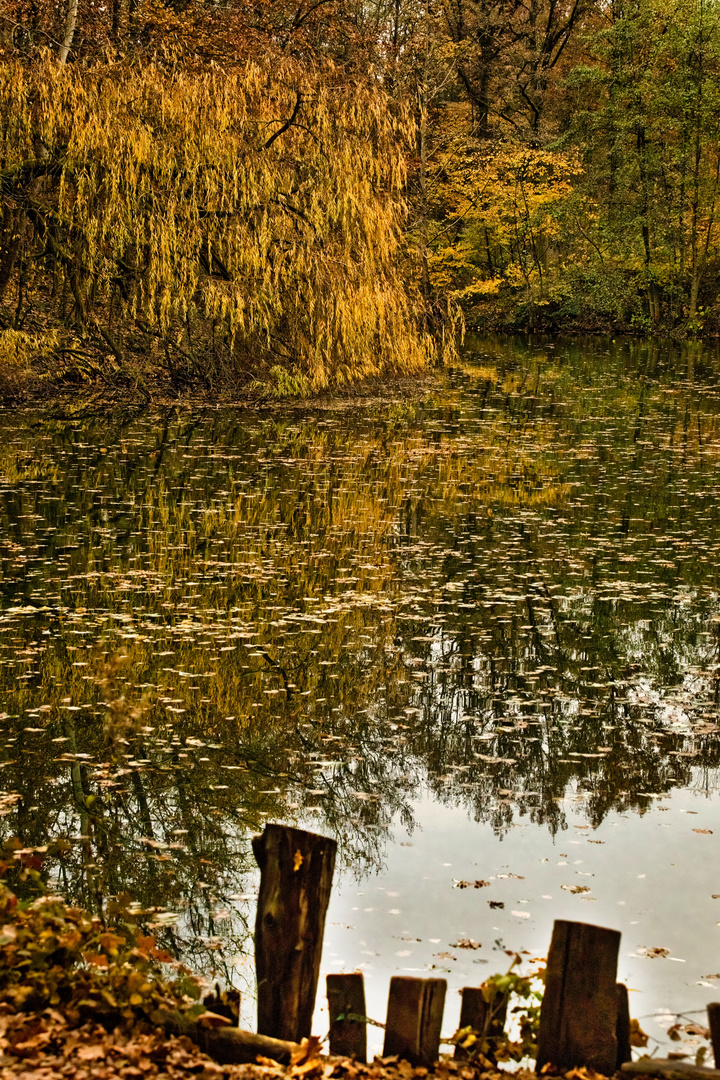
(202, 227)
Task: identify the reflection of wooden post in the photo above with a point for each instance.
(473, 1014)
(624, 1052)
(296, 870)
(346, 998)
(414, 1018)
(578, 1018)
(713, 1011)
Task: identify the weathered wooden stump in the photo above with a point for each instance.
(622, 1030)
(296, 870)
(474, 1014)
(579, 1013)
(346, 999)
(414, 1018)
(713, 1012)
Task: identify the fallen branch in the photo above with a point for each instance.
(669, 1069)
(228, 1045)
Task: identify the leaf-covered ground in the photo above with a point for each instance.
(42, 1046)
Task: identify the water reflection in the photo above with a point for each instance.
(502, 593)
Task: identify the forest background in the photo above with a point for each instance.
(285, 196)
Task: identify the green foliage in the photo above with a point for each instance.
(493, 1043)
(58, 957)
(281, 383)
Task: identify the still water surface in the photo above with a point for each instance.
(475, 636)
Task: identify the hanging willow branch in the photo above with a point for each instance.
(158, 200)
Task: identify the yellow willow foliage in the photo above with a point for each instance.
(176, 194)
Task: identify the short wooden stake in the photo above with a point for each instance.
(622, 1030)
(578, 1017)
(473, 1011)
(713, 1011)
(346, 998)
(414, 1018)
(473, 1014)
(296, 870)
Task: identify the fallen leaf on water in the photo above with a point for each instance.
(469, 884)
(697, 1029)
(466, 943)
(706, 832)
(637, 1035)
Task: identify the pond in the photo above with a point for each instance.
(473, 633)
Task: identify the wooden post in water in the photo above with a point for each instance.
(473, 1011)
(414, 1018)
(622, 1030)
(713, 1011)
(346, 999)
(579, 1013)
(296, 870)
(473, 1014)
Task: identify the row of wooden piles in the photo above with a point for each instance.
(584, 1019)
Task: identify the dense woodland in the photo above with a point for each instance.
(284, 196)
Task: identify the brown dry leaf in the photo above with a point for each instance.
(697, 1029)
(30, 1046)
(90, 1053)
(637, 1035)
(213, 1020)
(705, 832)
(109, 940)
(466, 943)
(97, 959)
(308, 1050)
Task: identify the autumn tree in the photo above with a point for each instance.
(239, 226)
(215, 188)
(648, 106)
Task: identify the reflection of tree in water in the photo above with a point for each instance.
(497, 596)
